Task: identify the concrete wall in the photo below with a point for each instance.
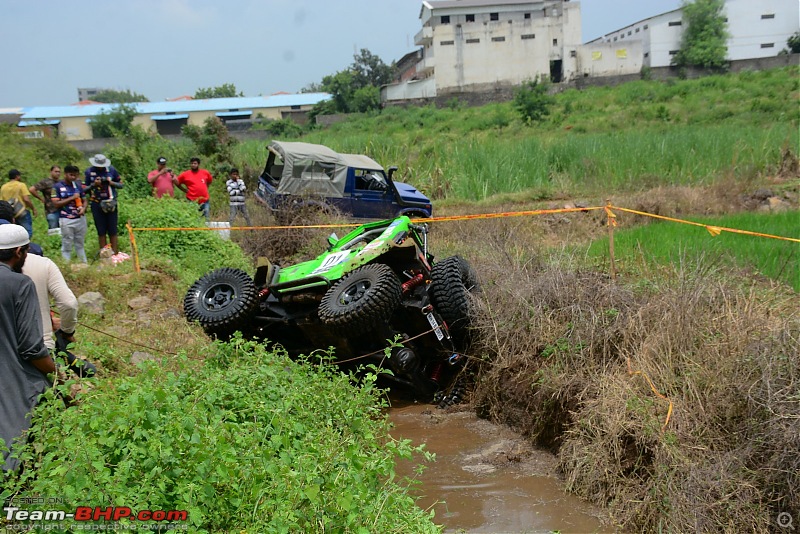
(610, 59)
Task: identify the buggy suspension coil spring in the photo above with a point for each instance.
(436, 373)
(408, 285)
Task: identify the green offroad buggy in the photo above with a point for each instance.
(375, 285)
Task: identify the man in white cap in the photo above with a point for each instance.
(24, 358)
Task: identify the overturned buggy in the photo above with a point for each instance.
(374, 286)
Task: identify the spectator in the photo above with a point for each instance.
(194, 183)
(49, 282)
(69, 198)
(43, 191)
(162, 179)
(17, 194)
(24, 360)
(101, 180)
(7, 217)
(236, 189)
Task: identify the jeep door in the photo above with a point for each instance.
(370, 194)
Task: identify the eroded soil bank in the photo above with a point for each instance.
(486, 478)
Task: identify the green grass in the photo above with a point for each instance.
(667, 243)
(628, 138)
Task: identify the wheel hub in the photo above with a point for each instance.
(354, 292)
(218, 297)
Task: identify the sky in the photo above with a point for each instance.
(170, 48)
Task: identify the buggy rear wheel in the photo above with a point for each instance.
(452, 281)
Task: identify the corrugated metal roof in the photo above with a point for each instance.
(184, 106)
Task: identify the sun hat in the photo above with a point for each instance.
(13, 236)
(99, 160)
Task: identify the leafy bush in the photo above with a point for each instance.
(280, 128)
(191, 253)
(211, 140)
(238, 442)
(532, 101)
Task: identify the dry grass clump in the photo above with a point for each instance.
(286, 246)
(566, 355)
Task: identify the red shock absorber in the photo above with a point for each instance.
(263, 293)
(436, 373)
(408, 285)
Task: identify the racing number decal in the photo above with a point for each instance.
(334, 259)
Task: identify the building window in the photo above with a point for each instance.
(555, 42)
(767, 45)
(498, 39)
(647, 54)
(615, 39)
(645, 26)
(529, 36)
(494, 16)
(637, 30)
(527, 16)
(573, 53)
(768, 16)
(629, 32)
(444, 19)
(296, 108)
(673, 52)
(675, 23)
(472, 41)
(470, 18)
(446, 43)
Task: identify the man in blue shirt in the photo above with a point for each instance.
(101, 181)
(68, 197)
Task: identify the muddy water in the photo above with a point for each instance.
(486, 478)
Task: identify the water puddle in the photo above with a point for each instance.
(486, 478)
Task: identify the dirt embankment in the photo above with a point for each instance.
(671, 400)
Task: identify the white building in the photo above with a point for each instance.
(757, 30)
(478, 45)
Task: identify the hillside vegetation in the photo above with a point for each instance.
(671, 394)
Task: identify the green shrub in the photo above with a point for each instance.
(190, 253)
(247, 442)
(532, 101)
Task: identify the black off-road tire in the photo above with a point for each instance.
(222, 301)
(361, 300)
(452, 281)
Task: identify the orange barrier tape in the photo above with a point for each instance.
(713, 230)
(504, 214)
(658, 394)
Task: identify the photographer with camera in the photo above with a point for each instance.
(162, 179)
(101, 182)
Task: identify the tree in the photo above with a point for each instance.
(369, 69)
(533, 101)
(115, 122)
(226, 90)
(704, 37)
(355, 89)
(794, 42)
(112, 96)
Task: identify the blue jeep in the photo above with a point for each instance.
(303, 174)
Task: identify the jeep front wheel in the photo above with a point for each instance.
(222, 301)
(361, 300)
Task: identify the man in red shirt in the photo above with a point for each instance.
(162, 179)
(194, 183)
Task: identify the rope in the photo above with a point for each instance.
(652, 387)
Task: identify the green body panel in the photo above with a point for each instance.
(337, 262)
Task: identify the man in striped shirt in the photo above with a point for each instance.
(236, 190)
